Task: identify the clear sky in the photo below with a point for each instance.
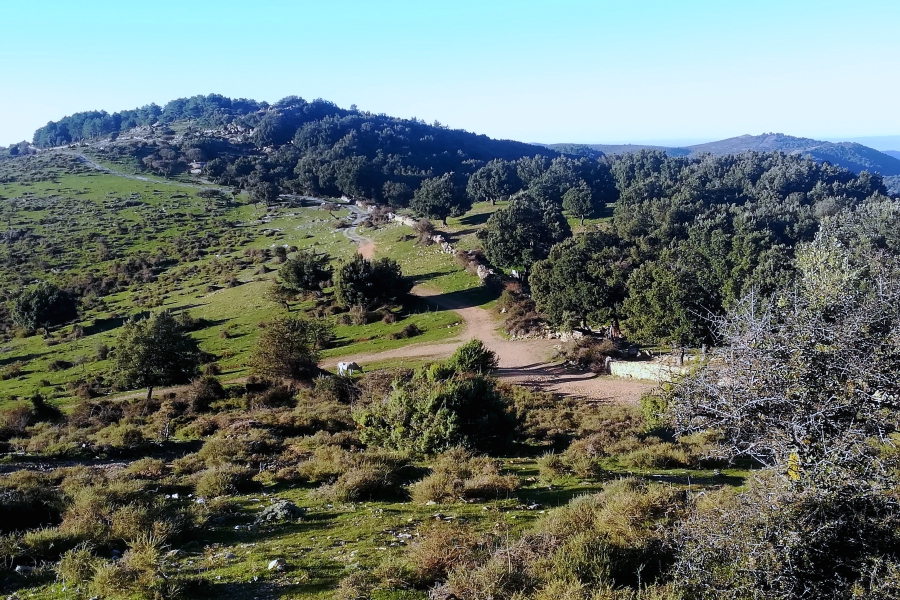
(576, 71)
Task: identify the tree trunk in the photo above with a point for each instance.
(150, 393)
(582, 221)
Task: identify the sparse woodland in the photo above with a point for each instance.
(170, 430)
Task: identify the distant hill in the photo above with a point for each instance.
(894, 153)
(849, 155)
(601, 149)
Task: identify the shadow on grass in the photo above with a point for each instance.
(474, 220)
(469, 298)
(23, 358)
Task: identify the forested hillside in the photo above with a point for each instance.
(307, 147)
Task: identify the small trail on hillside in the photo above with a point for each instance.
(98, 167)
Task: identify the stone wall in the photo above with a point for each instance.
(649, 370)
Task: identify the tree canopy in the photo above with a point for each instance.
(305, 272)
(369, 283)
(582, 282)
(439, 198)
(289, 348)
(43, 305)
(155, 351)
(523, 233)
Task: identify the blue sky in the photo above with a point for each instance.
(577, 71)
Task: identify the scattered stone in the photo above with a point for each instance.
(279, 564)
(24, 570)
(280, 511)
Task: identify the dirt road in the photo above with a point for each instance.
(525, 362)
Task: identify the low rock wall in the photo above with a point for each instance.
(650, 370)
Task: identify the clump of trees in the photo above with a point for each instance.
(155, 351)
(370, 283)
(689, 237)
(289, 348)
(523, 233)
(43, 306)
(583, 280)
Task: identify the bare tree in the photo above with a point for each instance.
(808, 378)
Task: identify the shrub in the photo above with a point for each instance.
(551, 466)
(361, 282)
(614, 539)
(12, 371)
(456, 474)
(289, 348)
(77, 566)
(306, 272)
(223, 480)
(147, 468)
(427, 416)
(119, 436)
(368, 476)
(424, 230)
(827, 538)
(59, 365)
(474, 357)
(358, 315)
(273, 397)
(43, 306)
(441, 549)
(411, 330)
(202, 393)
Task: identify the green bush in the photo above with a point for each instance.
(77, 566)
(223, 480)
(473, 357)
(365, 283)
(366, 476)
(43, 306)
(427, 416)
(457, 474)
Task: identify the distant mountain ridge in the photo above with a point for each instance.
(849, 155)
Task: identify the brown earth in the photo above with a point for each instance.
(525, 362)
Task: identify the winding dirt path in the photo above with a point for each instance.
(524, 362)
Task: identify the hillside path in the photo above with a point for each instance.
(524, 362)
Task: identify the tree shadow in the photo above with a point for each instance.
(477, 219)
(104, 325)
(23, 358)
(469, 298)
